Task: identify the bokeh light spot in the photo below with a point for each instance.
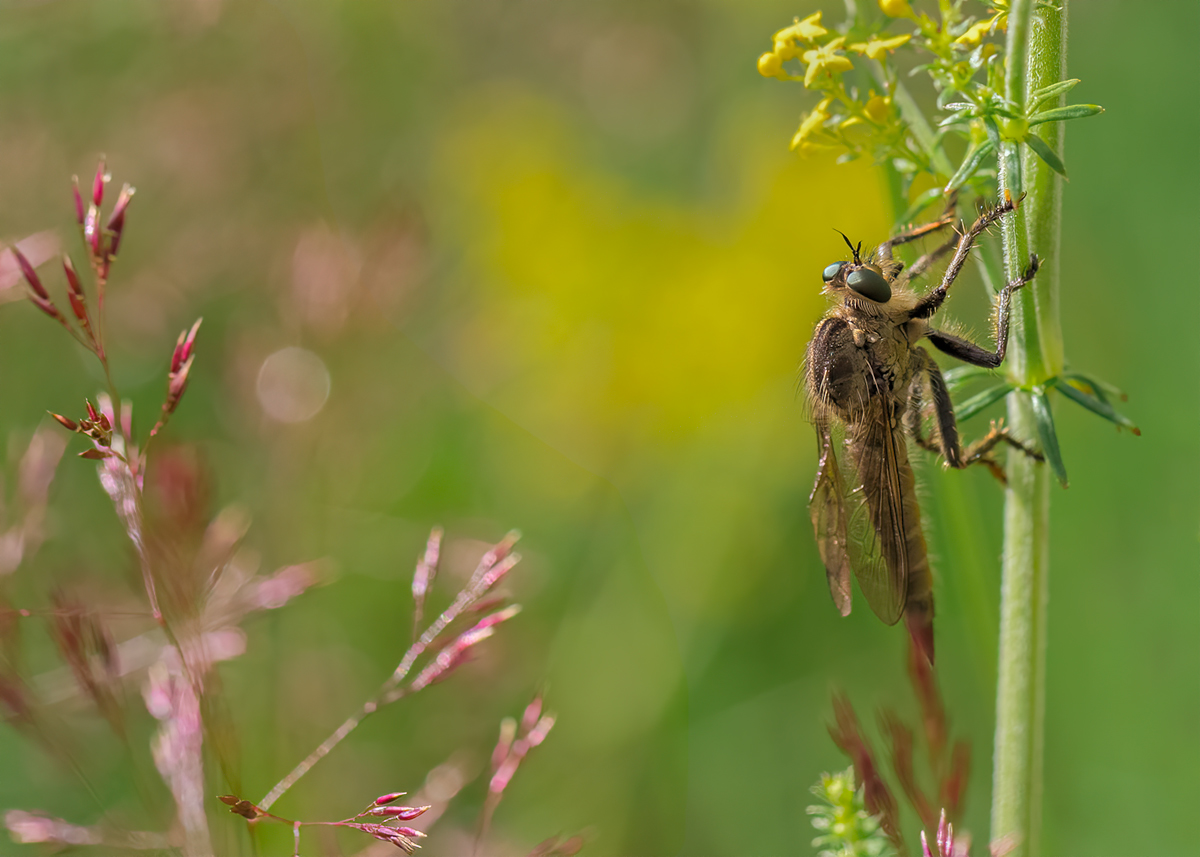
(293, 385)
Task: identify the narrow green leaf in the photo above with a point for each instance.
(1039, 96)
(993, 130)
(921, 203)
(979, 401)
(1060, 114)
(1046, 435)
(1100, 389)
(1042, 149)
(959, 376)
(1098, 406)
(1010, 155)
(969, 165)
(959, 118)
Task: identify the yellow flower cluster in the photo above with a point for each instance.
(789, 43)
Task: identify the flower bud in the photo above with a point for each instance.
(383, 800)
(78, 199)
(65, 422)
(30, 274)
(98, 183)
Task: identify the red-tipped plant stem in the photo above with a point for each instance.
(491, 569)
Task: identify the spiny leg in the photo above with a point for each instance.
(947, 441)
(932, 302)
(923, 264)
(914, 416)
(996, 434)
(966, 350)
(885, 250)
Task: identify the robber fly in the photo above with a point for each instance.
(870, 387)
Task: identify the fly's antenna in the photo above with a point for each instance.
(853, 249)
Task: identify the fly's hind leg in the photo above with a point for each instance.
(946, 439)
(978, 451)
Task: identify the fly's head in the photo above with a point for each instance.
(862, 284)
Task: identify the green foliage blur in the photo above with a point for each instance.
(561, 268)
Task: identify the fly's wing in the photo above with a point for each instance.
(877, 528)
(827, 506)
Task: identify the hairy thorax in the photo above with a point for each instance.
(862, 356)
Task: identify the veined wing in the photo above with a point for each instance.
(827, 506)
(883, 522)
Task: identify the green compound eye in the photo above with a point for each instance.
(832, 271)
(870, 284)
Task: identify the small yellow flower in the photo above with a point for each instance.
(770, 65)
(896, 8)
(806, 31)
(825, 60)
(876, 48)
(811, 125)
(877, 109)
(975, 33)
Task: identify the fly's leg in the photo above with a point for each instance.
(924, 263)
(966, 350)
(914, 416)
(947, 442)
(884, 250)
(932, 302)
(997, 433)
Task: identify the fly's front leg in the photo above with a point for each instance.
(966, 350)
(932, 302)
(923, 264)
(946, 426)
(884, 250)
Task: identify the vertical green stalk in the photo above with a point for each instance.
(1036, 58)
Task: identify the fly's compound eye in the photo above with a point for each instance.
(832, 271)
(870, 284)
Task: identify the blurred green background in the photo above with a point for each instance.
(561, 269)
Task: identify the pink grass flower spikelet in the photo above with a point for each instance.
(30, 273)
(424, 574)
(78, 198)
(99, 182)
(116, 221)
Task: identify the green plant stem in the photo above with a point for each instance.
(1036, 57)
